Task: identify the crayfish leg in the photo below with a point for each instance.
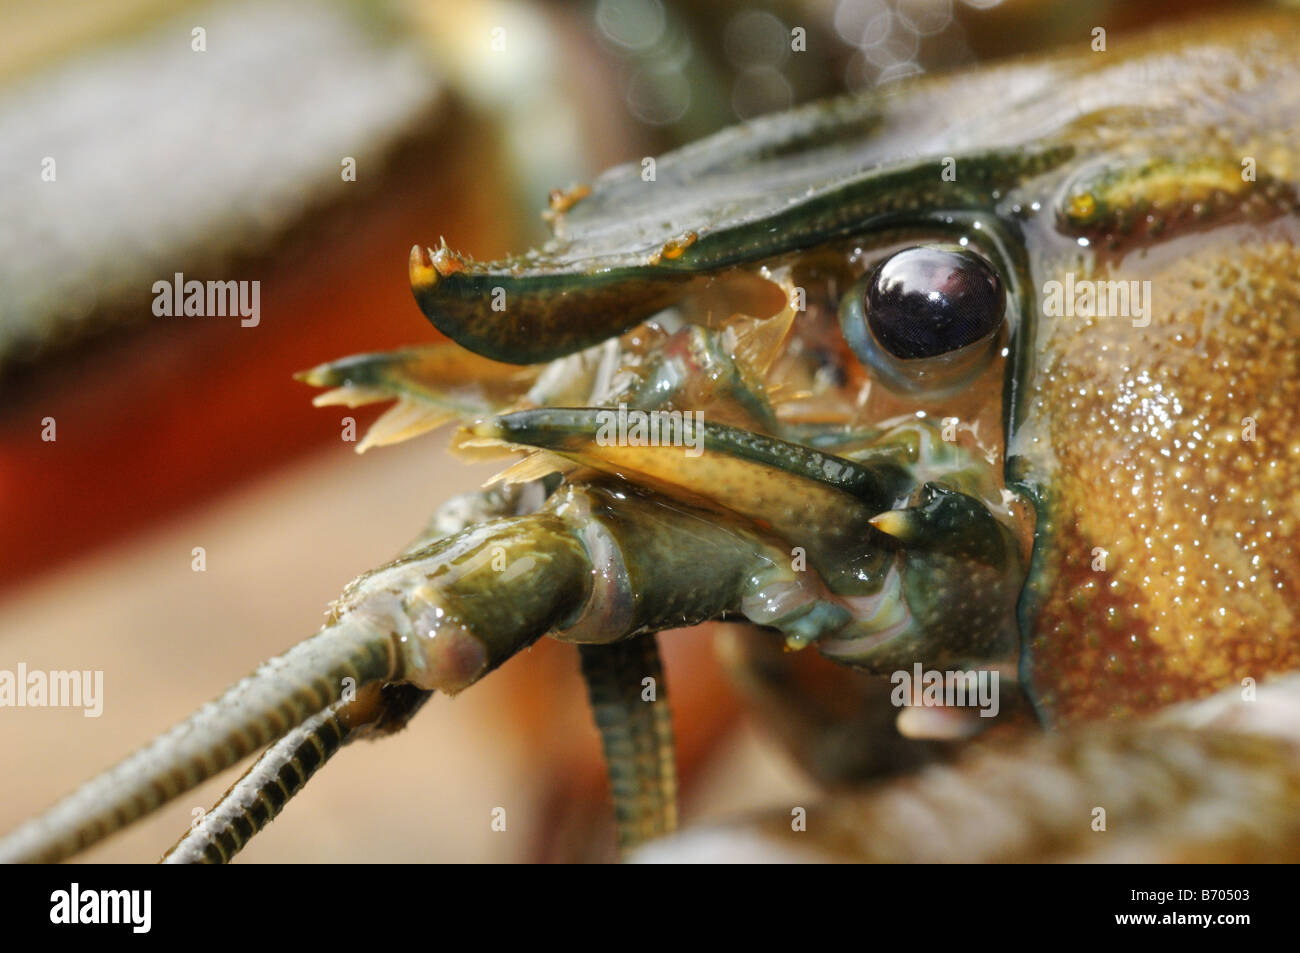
(629, 701)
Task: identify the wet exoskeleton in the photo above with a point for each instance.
(993, 373)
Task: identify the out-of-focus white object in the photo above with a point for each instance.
(166, 157)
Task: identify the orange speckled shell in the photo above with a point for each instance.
(1168, 455)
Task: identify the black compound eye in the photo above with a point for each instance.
(931, 300)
